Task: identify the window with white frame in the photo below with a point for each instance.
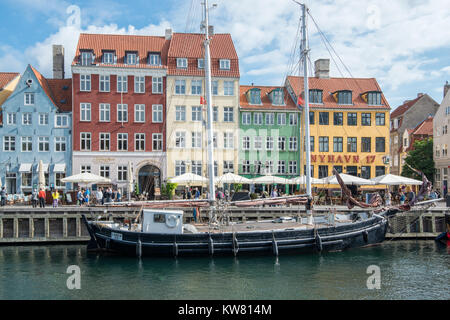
(132, 58)
(105, 112)
(281, 119)
(122, 173)
(269, 143)
(61, 121)
(197, 167)
(85, 112)
(269, 167)
(122, 84)
(258, 118)
(122, 141)
(157, 141)
(85, 169)
(108, 57)
(215, 114)
(9, 143)
(293, 119)
(27, 179)
(58, 177)
(180, 139)
(85, 82)
(196, 113)
(157, 116)
(228, 140)
(27, 119)
(44, 144)
(196, 87)
(257, 167)
(292, 167)
(105, 171)
(105, 141)
(139, 142)
(60, 144)
(215, 87)
(87, 58)
(246, 118)
(139, 113)
(228, 167)
(245, 167)
(180, 113)
(224, 64)
(201, 63)
(196, 140)
(154, 59)
(258, 143)
(281, 167)
(43, 119)
(182, 63)
(29, 99)
(245, 143)
(228, 114)
(11, 118)
(122, 113)
(180, 167)
(180, 86)
(27, 144)
(270, 119)
(157, 85)
(293, 144)
(281, 143)
(215, 145)
(228, 88)
(139, 84)
(105, 83)
(85, 141)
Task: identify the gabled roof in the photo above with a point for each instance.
(265, 99)
(121, 44)
(190, 46)
(7, 77)
(358, 86)
(425, 127)
(404, 107)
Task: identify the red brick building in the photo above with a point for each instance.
(119, 103)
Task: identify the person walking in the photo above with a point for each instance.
(87, 195)
(80, 197)
(42, 198)
(34, 198)
(99, 196)
(55, 196)
(118, 196)
(3, 196)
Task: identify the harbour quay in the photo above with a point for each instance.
(24, 225)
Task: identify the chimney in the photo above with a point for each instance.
(446, 88)
(211, 30)
(58, 61)
(419, 95)
(169, 33)
(322, 68)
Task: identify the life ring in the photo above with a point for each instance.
(174, 219)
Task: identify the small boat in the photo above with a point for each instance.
(444, 237)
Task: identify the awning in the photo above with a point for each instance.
(25, 167)
(59, 168)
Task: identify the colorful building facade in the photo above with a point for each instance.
(37, 124)
(349, 124)
(269, 133)
(119, 99)
(186, 115)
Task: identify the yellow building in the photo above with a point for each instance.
(349, 124)
(186, 134)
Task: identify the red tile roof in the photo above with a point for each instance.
(121, 44)
(7, 77)
(358, 86)
(265, 99)
(404, 107)
(190, 45)
(55, 90)
(425, 127)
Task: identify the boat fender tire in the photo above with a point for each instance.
(365, 235)
(319, 243)
(172, 221)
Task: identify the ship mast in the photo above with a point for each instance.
(209, 122)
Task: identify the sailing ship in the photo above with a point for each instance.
(158, 231)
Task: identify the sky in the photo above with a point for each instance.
(404, 44)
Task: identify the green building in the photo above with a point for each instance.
(269, 123)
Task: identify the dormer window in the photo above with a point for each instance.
(201, 63)
(224, 64)
(154, 59)
(373, 98)
(315, 96)
(131, 58)
(254, 96)
(108, 57)
(182, 63)
(87, 58)
(344, 97)
(277, 97)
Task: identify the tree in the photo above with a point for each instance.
(168, 189)
(420, 158)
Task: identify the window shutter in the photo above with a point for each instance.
(115, 59)
(137, 60)
(93, 59)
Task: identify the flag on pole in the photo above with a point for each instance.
(202, 101)
(300, 101)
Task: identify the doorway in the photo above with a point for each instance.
(149, 180)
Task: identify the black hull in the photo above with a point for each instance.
(358, 234)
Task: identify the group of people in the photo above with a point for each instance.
(102, 196)
(40, 197)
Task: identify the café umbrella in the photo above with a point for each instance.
(41, 175)
(394, 180)
(86, 178)
(348, 180)
(189, 179)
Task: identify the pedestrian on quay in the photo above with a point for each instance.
(189, 194)
(3, 196)
(99, 196)
(42, 196)
(55, 196)
(80, 197)
(402, 196)
(87, 195)
(118, 196)
(34, 198)
(108, 195)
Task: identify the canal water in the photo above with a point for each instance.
(408, 270)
